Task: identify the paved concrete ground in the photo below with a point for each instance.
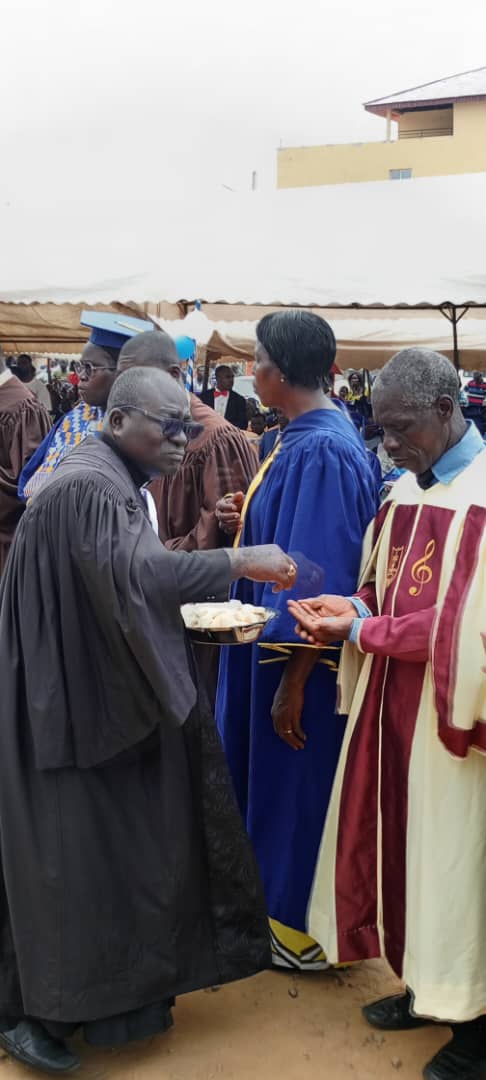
(272, 1026)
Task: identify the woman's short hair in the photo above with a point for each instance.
(301, 344)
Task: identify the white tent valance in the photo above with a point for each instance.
(361, 342)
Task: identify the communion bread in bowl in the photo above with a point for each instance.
(225, 616)
(221, 621)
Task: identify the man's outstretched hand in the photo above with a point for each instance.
(328, 606)
(264, 563)
(323, 619)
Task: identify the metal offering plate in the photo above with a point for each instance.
(228, 623)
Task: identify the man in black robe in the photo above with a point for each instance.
(125, 875)
(219, 460)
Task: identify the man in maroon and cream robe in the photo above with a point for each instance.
(402, 867)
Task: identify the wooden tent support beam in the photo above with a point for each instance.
(454, 315)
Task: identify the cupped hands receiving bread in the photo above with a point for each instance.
(323, 619)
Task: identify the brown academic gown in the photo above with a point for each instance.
(220, 460)
(23, 425)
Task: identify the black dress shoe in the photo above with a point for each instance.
(31, 1044)
(455, 1062)
(393, 1014)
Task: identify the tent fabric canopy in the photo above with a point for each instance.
(417, 242)
(50, 327)
(361, 342)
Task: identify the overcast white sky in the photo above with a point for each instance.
(106, 98)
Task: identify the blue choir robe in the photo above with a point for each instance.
(315, 500)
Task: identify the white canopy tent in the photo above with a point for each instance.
(415, 244)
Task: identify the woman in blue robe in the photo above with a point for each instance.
(314, 495)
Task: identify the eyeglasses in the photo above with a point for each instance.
(89, 369)
(169, 424)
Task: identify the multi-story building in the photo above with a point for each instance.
(438, 129)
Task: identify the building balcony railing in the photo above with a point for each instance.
(426, 133)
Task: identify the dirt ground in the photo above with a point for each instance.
(273, 1026)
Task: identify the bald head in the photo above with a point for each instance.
(147, 388)
(146, 420)
(154, 349)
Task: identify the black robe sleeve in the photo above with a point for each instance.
(92, 601)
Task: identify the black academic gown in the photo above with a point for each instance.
(125, 873)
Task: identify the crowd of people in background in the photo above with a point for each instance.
(56, 385)
(353, 396)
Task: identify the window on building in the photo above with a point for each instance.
(400, 174)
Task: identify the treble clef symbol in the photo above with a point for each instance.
(421, 572)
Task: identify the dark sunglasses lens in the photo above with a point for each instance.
(193, 431)
(171, 428)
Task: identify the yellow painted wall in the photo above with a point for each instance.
(470, 120)
(429, 119)
(443, 155)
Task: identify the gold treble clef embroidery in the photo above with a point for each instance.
(421, 572)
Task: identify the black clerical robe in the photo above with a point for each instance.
(125, 873)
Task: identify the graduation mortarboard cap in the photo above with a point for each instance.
(111, 329)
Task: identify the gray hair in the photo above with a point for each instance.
(420, 377)
(154, 348)
(133, 387)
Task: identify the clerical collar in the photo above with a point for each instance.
(455, 460)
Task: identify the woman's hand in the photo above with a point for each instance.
(288, 702)
(287, 707)
(228, 512)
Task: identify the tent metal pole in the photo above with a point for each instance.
(203, 358)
